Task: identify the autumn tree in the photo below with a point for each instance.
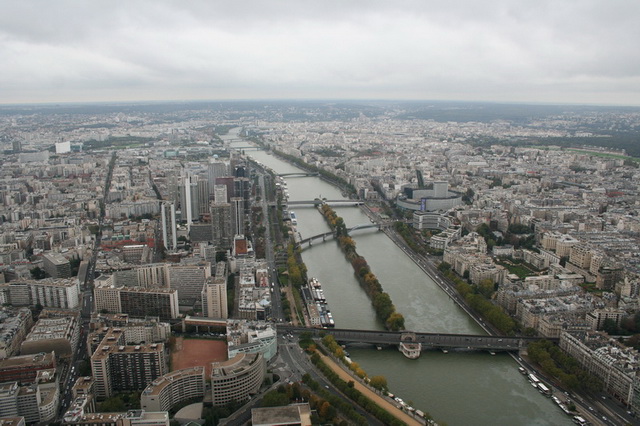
(378, 382)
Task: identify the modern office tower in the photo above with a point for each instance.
(228, 182)
(174, 186)
(220, 194)
(214, 298)
(188, 280)
(203, 195)
(237, 215)
(237, 379)
(168, 216)
(56, 265)
(221, 225)
(173, 388)
(240, 170)
(242, 189)
(49, 292)
(141, 302)
(216, 169)
(189, 199)
(117, 367)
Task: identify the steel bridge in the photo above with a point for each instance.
(428, 340)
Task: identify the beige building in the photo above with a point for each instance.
(238, 378)
(608, 360)
(580, 256)
(214, 298)
(173, 388)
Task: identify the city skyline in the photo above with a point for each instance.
(573, 53)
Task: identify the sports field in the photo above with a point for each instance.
(194, 352)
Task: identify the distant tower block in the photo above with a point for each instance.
(169, 225)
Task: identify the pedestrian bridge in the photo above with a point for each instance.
(428, 340)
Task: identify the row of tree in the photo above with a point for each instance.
(347, 410)
(562, 366)
(297, 270)
(406, 232)
(322, 410)
(478, 297)
(381, 301)
(355, 395)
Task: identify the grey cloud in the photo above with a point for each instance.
(580, 50)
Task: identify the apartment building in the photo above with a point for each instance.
(237, 379)
(173, 388)
(50, 292)
(117, 367)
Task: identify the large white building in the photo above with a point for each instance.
(136, 301)
(436, 196)
(49, 292)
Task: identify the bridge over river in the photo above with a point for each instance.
(428, 340)
(331, 234)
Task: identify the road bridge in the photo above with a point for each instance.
(428, 340)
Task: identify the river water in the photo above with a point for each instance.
(456, 388)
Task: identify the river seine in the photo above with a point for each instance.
(456, 388)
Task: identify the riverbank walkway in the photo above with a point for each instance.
(378, 399)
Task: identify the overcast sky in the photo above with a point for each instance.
(557, 51)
